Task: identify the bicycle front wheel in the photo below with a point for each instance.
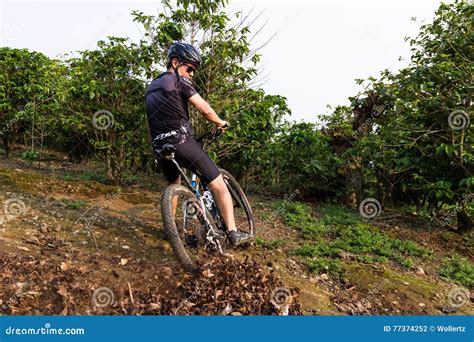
(184, 225)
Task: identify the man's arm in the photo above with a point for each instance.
(205, 109)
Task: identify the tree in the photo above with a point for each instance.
(26, 89)
(105, 110)
(225, 77)
(413, 128)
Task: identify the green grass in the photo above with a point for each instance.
(298, 215)
(30, 155)
(330, 266)
(269, 244)
(459, 270)
(130, 179)
(331, 230)
(364, 239)
(265, 215)
(68, 177)
(86, 176)
(334, 215)
(74, 204)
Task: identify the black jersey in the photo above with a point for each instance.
(166, 100)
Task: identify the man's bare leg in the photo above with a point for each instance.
(174, 201)
(224, 201)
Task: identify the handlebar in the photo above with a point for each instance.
(212, 133)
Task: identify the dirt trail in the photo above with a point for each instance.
(70, 238)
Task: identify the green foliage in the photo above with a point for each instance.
(94, 176)
(28, 93)
(340, 230)
(75, 205)
(311, 167)
(269, 244)
(326, 265)
(337, 215)
(224, 79)
(317, 249)
(30, 155)
(105, 107)
(364, 239)
(65, 97)
(294, 212)
(68, 177)
(395, 141)
(407, 137)
(405, 262)
(87, 176)
(458, 269)
(253, 127)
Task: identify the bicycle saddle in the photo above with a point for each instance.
(167, 149)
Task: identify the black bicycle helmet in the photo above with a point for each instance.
(185, 53)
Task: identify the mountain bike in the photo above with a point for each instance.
(192, 222)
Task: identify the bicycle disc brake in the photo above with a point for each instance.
(208, 199)
(204, 233)
(194, 234)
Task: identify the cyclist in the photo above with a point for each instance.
(166, 101)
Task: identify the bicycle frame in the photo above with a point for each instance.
(192, 185)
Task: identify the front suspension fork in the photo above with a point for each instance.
(192, 184)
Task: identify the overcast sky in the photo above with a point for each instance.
(319, 49)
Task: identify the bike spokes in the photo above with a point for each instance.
(242, 211)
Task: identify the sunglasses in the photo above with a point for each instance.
(190, 68)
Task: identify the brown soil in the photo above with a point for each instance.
(76, 238)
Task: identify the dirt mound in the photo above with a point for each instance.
(97, 284)
(229, 286)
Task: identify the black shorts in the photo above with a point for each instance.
(190, 155)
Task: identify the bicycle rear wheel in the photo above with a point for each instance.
(184, 226)
(242, 211)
